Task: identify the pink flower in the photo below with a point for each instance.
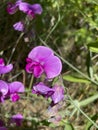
(18, 118)
(3, 90)
(42, 60)
(19, 26)
(15, 88)
(42, 89)
(58, 94)
(10, 90)
(30, 10)
(12, 8)
(5, 68)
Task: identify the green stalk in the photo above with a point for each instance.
(78, 108)
(88, 100)
(13, 50)
(85, 101)
(30, 85)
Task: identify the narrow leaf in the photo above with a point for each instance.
(93, 47)
(68, 126)
(75, 79)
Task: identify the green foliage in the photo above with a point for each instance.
(93, 47)
(75, 79)
(89, 125)
(68, 126)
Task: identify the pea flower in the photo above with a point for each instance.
(15, 88)
(30, 10)
(3, 90)
(19, 26)
(5, 68)
(42, 60)
(58, 94)
(10, 90)
(42, 89)
(18, 118)
(12, 8)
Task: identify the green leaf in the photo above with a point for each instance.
(89, 124)
(93, 47)
(89, 65)
(75, 79)
(68, 126)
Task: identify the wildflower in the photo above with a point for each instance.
(3, 90)
(30, 10)
(18, 118)
(42, 60)
(14, 97)
(10, 90)
(19, 26)
(58, 94)
(5, 68)
(42, 89)
(12, 8)
(15, 88)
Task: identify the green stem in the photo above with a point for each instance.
(15, 76)
(28, 93)
(13, 50)
(30, 85)
(54, 27)
(82, 112)
(88, 100)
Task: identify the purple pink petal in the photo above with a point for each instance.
(19, 26)
(42, 60)
(18, 118)
(58, 95)
(5, 68)
(42, 89)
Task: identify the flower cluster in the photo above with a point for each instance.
(9, 91)
(56, 93)
(41, 60)
(30, 10)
